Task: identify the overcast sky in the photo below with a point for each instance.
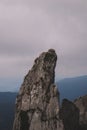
(29, 27)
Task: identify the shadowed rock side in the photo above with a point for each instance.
(37, 104)
(69, 114)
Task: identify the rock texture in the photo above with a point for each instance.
(37, 104)
(81, 103)
(69, 114)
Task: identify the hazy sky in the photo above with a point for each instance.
(29, 27)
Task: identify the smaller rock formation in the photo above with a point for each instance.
(81, 103)
(69, 114)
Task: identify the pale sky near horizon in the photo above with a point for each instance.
(29, 27)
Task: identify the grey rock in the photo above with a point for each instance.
(81, 103)
(37, 104)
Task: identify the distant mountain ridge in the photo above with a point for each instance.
(7, 108)
(72, 88)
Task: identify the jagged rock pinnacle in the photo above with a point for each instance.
(37, 103)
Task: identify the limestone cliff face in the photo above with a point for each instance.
(37, 104)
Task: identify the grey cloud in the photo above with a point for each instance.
(28, 27)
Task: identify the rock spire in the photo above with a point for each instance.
(37, 104)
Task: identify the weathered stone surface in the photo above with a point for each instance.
(81, 103)
(37, 104)
(69, 114)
